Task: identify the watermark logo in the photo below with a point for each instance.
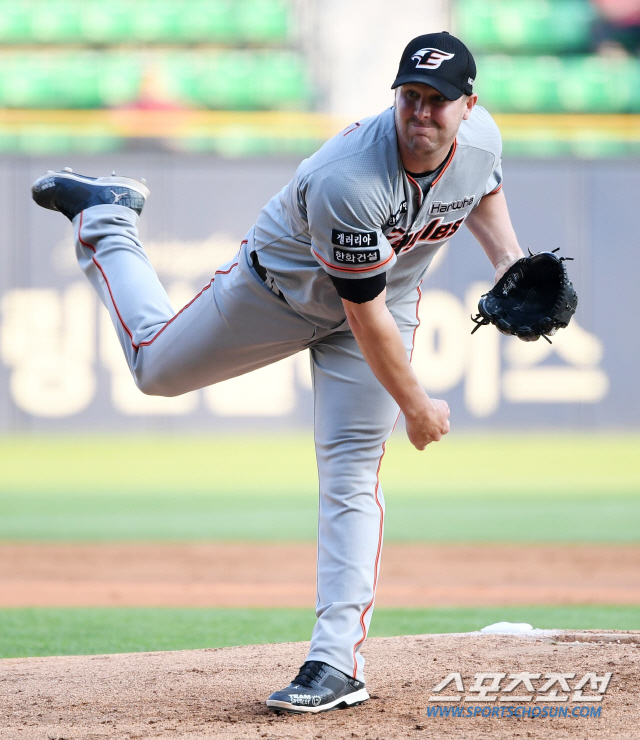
(553, 687)
(517, 692)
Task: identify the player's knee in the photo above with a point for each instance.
(154, 384)
(153, 388)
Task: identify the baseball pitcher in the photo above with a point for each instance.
(333, 264)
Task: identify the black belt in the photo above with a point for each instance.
(262, 274)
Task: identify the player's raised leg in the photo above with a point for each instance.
(234, 325)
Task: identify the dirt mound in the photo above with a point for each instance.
(220, 693)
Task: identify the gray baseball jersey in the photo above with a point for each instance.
(350, 212)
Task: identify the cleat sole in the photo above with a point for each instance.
(344, 702)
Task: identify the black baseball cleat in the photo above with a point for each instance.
(318, 688)
(71, 193)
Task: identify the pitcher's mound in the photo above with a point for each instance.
(221, 693)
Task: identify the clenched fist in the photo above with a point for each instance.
(429, 423)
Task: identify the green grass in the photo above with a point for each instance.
(68, 518)
(571, 488)
(41, 632)
(284, 465)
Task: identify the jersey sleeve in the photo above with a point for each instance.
(345, 216)
(494, 183)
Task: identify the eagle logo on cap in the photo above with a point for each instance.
(428, 58)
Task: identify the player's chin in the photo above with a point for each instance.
(424, 143)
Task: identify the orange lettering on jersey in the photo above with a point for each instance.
(434, 231)
(440, 233)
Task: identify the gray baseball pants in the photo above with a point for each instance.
(235, 325)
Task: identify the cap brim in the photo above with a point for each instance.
(442, 86)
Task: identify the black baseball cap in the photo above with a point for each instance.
(439, 60)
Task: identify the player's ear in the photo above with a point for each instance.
(470, 101)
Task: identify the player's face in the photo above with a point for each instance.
(427, 124)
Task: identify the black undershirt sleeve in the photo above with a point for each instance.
(360, 290)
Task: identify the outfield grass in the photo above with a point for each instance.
(41, 632)
(166, 518)
(283, 464)
(492, 488)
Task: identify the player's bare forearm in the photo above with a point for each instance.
(380, 342)
(491, 225)
(379, 338)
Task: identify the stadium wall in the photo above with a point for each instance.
(61, 367)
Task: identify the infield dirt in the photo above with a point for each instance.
(220, 693)
(252, 575)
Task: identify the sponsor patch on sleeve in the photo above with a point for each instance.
(353, 257)
(354, 239)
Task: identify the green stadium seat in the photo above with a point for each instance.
(570, 25)
(105, 23)
(158, 24)
(600, 85)
(14, 23)
(262, 20)
(216, 80)
(244, 81)
(281, 81)
(239, 79)
(119, 83)
(475, 25)
(54, 22)
(525, 26)
(203, 20)
(144, 21)
(73, 77)
(586, 84)
(24, 82)
(534, 86)
(180, 72)
(224, 80)
(493, 81)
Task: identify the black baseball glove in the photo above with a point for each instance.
(533, 299)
